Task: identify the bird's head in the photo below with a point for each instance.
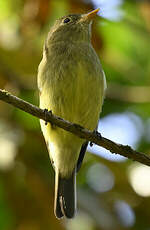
(73, 27)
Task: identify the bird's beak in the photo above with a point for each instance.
(89, 16)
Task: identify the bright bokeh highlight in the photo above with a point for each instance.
(139, 177)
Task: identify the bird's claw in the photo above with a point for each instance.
(91, 143)
(97, 134)
(47, 112)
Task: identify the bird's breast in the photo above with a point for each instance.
(72, 84)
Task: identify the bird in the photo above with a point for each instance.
(72, 85)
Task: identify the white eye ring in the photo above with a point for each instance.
(66, 20)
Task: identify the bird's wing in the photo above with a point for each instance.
(81, 155)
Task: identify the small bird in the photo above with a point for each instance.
(71, 84)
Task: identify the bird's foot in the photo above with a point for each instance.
(47, 112)
(97, 134)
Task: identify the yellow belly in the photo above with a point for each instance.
(74, 93)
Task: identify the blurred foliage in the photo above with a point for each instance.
(107, 197)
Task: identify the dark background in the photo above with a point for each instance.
(113, 192)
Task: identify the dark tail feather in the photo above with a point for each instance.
(65, 196)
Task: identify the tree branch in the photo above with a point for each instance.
(81, 132)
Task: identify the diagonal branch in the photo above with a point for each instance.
(81, 132)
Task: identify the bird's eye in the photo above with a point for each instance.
(67, 20)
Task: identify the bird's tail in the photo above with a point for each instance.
(65, 195)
